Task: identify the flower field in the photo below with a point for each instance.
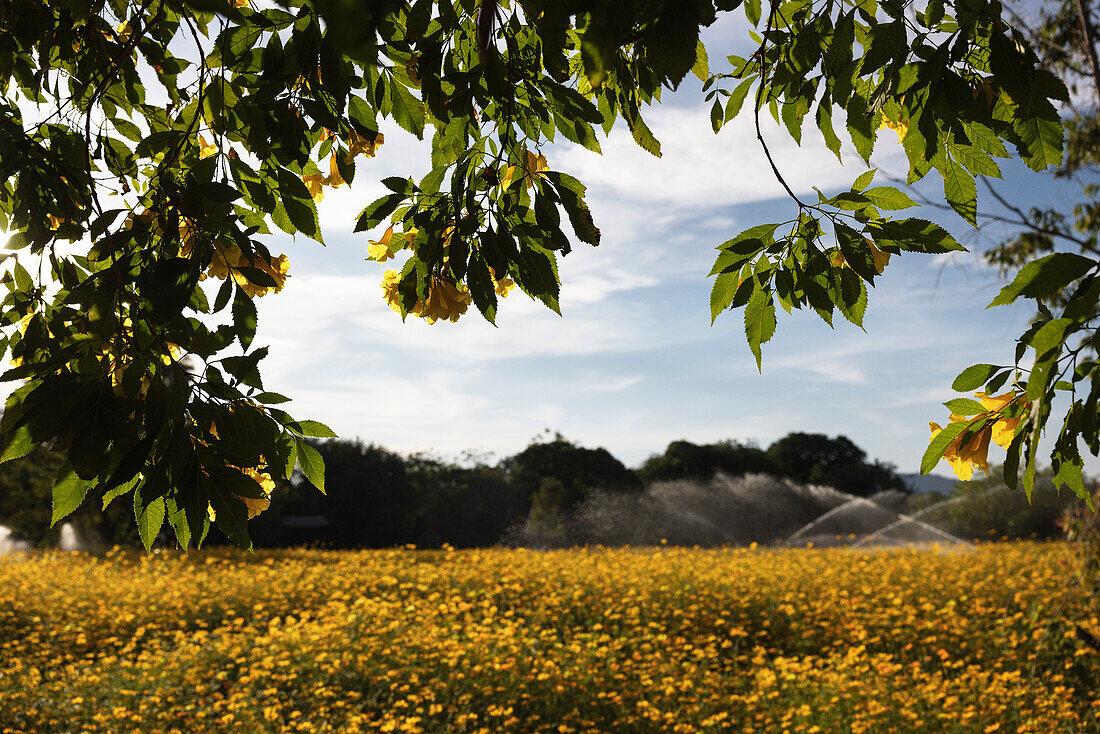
(635, 640)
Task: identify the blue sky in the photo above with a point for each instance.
(633, 362)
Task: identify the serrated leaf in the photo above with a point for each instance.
(825, 125)
(314, 429)
(1044, 277)
(407, 110)
(759, 321)
(722, 292)
(939, 444)
(973, 377)
(17, 444)
(960, 191)
(150, 519)
(231, 516)
(244, 318)
(737, 98)
(864, 181)
(964, 406)
(889, 198)
(69, 492)
(312, 464)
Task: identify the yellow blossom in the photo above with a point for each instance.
(315, 183)
(206, 149)
(277, 268)
(502, 285)
(1004, 430)
(334, 179)
(966, 456)
(390, 280)
(445, 301)
(379, 250)
(358, 144)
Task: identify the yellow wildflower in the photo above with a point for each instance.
(379, 250)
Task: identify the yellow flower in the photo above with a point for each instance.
(358, 144)
(315, 184)
(334, 179)
(445, 301)
(277, 268)
(502, 285)
(1004, 430)
(379, 250)
(206, 149)
(965, 457)
(390, 281)
(55, 222)
(256, 505)
(225, 259)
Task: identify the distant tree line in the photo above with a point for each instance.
(377, 498)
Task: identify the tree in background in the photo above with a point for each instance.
(127, 210)
(556, 475)
(686, 460)
(814, 458)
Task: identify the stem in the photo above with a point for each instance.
(1090, 49)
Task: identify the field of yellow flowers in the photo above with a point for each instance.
(633, 640)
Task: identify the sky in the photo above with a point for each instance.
(633, 362)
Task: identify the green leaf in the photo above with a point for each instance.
(150, 519)
(315, 429)
(177, 519)
(960, 191)
(939, 444)
(1044, 277)
(737, 98)
(244, 318)
(17, 444)
(230, 515)
(722, 292)
(759, 321)
(825, 125)
(1050, 335)
(1042, 139)
(964, 406)
(864, 181)
(69, 492)
(312, 464)
(889, 198)
(973, 377)
(701, 69)
(407, 110)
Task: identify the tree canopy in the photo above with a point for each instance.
(150, 149)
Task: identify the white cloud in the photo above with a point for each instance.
(700, 169)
